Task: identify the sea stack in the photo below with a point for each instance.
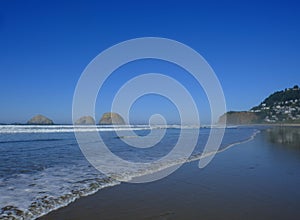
(85, 120)
(111, 118)
(40, 120)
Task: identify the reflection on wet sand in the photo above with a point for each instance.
(287, 136)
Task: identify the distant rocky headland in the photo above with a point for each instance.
(237, 118)
(280, 107)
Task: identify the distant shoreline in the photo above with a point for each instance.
(203, 126)
(273, 125)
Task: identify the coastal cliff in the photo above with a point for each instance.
(240, 118)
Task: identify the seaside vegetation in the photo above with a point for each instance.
(280, 107)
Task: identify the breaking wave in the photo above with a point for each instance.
(63, 179)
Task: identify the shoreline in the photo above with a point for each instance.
(179, 195)
(270, 125)
(126, 125)
(195, 158)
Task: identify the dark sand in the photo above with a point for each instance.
(255, 180)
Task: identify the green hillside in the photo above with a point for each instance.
(280, 107)
(286, 97)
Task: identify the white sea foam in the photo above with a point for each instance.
(7, 129)
(30, 195)
(12, 129)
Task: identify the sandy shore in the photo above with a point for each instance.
(254, 180)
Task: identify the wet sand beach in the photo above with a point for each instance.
(259, 179)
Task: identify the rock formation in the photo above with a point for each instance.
(40, 120)
(85, 120)
(237, 118)
(111, 118)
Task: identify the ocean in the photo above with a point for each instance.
(42, 167)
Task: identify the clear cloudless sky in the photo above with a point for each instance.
(253, 47)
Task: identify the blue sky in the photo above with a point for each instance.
(253, 47)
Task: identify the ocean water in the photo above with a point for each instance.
(42, 167)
